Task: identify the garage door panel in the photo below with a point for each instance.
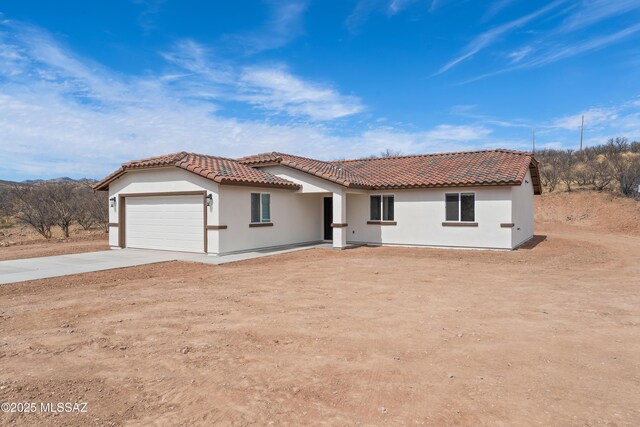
(165, 222)
(159, 227)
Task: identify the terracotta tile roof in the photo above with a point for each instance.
(461, 169)
(327, 170)
(486, 167)
(469, 168)
(218, 169)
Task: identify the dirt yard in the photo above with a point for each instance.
(546, 335)
(21, 241)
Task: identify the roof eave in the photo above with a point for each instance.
(452, 185)
(231, 181)
(103, 185)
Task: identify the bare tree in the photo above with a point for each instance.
(62, 201)
(567, 166)
(388, 152)
(602, 173)
(5, 200)
(583, 171)
(84, 214)
(550, 168)
(96, 204)
(624, 164)
(30, 207)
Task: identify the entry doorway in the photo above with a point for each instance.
(328, 218)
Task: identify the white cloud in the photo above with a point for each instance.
(489, 37)
(458, 133)
(590, 12)
(566, 37)
(495, 8)
(277, 89)
(519, 54)
(593, 117)
(365, 8)
(63, 115)
(396, 6)
(600, 124)
(272, 88)
(555, 52)
(284, 25)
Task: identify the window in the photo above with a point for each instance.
(260, 207)
(460, 207)
(381, 208)
(375, 208)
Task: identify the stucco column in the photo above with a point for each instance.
(339, 219)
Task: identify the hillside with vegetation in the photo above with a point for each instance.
(613, 167)
(49, 209)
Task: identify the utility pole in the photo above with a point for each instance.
(533, 140)
(581, 133)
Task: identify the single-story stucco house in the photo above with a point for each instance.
(200, 203)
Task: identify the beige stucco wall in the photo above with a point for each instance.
(522, 210)
(309, 183)
(296, 218)
(419, 215)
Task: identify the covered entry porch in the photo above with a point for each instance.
(334, 217)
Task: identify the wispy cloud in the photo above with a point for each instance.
(462, 133)
(272, 88)
(555, 52)
(61, 114)
(361, 13)
(563, 35)
(365, 8)
(441, 138)
(396, 6)
(471, 112)
(496, 7)
(520, 53)
(592, 116)
(151, 8)
(278, 90)
(284, 25)
(600, 124)
(592, 11)
(489, 37)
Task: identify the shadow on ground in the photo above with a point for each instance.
(535, 241)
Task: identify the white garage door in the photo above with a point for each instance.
(173, 223)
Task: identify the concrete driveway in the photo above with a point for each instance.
(20, 270)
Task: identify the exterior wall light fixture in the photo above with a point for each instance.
(112, 202)
(210, 200)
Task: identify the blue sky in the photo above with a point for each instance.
(85, 86)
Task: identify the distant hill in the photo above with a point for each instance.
(61, 179)
(39, 181)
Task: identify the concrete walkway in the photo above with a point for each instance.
(54, 266)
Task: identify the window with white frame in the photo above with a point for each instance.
(260, 207)
(381, 208)
(460, 207)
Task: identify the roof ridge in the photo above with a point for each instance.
(451, 153)
(330, 163)
(171, 157)
(213, 157)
